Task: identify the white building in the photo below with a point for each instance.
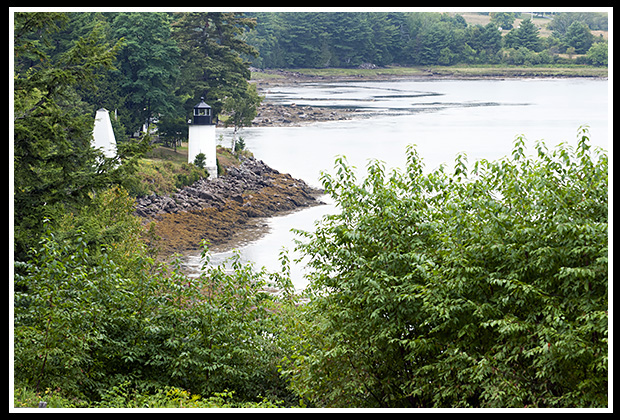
(202, 137)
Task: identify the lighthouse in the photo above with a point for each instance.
(202, 137)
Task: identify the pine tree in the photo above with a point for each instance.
(211, 49)
(147, 65)
(579, 37)
(55, 168)
(525, 36)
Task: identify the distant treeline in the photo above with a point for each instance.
(351, 39)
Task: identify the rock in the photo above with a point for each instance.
(208, 196)
(367, 66)
(293, 114)
(238, 198)
(215, 208)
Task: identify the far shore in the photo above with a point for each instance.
(275, 115)
(272, 77)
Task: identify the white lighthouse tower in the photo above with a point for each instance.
(103, 135)
(202, 137)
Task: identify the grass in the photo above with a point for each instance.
(165, 170)
(168, 154)
(266, 77)
(475, 18)
(24, 397)
(342, 72)
(519, 71)
(354, 72)
(481, 71)
(121, 397)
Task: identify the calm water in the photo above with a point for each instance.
(442, 118)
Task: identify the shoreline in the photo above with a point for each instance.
(274, 115)
(282, 77)
(230, 211)
(226, 211)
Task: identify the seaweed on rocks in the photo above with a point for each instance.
(216, 209)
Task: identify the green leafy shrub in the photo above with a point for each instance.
(124, 397)
(482, 288)
(199, 160)
(86, 327)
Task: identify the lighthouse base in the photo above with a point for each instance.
(202, 140)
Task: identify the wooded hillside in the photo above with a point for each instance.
(349, 39)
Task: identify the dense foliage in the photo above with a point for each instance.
(484, 288)
(162, 63)
(93, 312)
(350, 39)
(487, 287)
(55, 169)
(88, 326)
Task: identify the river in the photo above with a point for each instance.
(441, 117)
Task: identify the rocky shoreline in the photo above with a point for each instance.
(217, 210)
(276, 115)
(272, 115)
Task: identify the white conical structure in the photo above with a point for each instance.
(103, 135)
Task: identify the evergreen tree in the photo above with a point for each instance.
(525, 36)
(211, 49)
(436, 46)
(147, 65)
(351, 38)
(55, 169)
(491, 39)
(503, 20)
(383, 35)
(579, 37)
(266, 37)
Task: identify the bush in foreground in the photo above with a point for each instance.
(86, 325)
(482, 288)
